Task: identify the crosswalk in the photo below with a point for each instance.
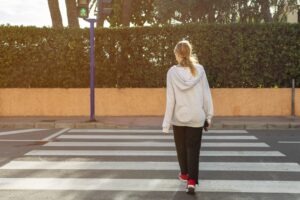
(145, 160)
(207, 166)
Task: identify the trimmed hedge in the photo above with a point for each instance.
(235, 55)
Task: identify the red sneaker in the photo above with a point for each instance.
(191, 185)
(183, 177)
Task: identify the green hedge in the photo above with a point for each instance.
(236, 55)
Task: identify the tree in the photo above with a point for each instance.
(126, 12)
(222, 11)
(265, 10)
(142, 12)
(55, 14)
(161, 12)
(122, 13)
(72, 13)
(281, 8)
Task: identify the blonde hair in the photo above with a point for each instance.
(185, 51)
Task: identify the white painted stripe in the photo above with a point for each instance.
(146, 153)
(253, 186)
(144, 131)
(158, 137)
(290, 142)
(114, 131)
(22, 141)
(55, 134)
(151, 144)
(208, 166)
(21, 131)
(225, 131)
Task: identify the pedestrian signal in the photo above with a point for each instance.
(83, 8)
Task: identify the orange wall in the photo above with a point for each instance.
(297, 102)
(141, 101)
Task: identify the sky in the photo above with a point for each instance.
(31, 13)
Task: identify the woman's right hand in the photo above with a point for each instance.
(206, 125)
(165, 130)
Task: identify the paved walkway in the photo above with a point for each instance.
(154, 122)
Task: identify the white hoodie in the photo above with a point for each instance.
(189, 100)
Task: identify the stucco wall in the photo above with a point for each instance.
(141, 102)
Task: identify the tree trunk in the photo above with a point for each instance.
(100, 22)
(72, 13)
(126, 12)
(211, 13)
(55, 14)
(265, 10)
(211, 16)
(100, 18)
(243, 11)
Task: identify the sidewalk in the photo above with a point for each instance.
(146, 122)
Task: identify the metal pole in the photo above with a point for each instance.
(293, 97)
(92, 69)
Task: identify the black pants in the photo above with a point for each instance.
(188, 144)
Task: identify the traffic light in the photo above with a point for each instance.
(83, 8)
(104, 8)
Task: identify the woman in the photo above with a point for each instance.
(189, 105)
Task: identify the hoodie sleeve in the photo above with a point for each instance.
(170, 103)
(207, 99)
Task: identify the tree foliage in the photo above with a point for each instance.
(158, 12)
(163, 12)
(222, 11)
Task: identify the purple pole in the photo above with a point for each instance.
(92, 70)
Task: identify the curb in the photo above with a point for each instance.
(92, 125)
(257, 126)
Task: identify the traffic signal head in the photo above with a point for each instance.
(83, 8)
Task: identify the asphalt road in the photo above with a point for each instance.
(95, 164)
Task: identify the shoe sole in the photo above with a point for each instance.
(190, 190)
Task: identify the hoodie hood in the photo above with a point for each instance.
(184, 79)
